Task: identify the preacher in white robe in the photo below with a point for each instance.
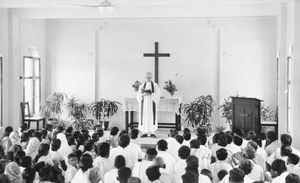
(148, 97)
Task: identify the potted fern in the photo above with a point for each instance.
(103, 110)
(199, 111)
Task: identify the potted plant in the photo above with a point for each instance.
(136, 86)
(170, 87)
(78, 112)
(103, 110)
(52, 107)
(199, 111)
(226, 109)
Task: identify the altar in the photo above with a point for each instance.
(170, 105)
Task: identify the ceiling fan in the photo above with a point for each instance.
(105, 6)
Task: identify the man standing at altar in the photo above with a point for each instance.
(148, 97)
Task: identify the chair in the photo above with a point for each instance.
(26, 116)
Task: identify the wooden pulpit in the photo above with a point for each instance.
(246, 114)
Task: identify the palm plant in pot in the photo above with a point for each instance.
(199, 111)
(103, 110)
(52, 107)
(78, 112)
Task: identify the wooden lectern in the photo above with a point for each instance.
(246, 114)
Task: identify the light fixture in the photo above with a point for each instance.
(106, 7)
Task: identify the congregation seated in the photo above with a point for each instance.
(68, 156)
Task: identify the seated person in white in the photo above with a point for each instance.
(169, 160)
(220, 164)
(260, 157)
(43, 155)
(272, 143)
(165, 177)
(173, 144)
(111, 176)
(56, 155)
(153, 174)
(189, 177)
(280, 153)
(72, 168)
(246, 166)
(186, 139)
(134, 135)
(192, 165)
(203, 153)
(33, 145)
(292, 178)
(124, 174)
(237, 175)
(102, 161)
(139, 169)
(278, 172)
(231, 146)
(293, 164)
(183, 154)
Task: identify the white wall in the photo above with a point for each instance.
(71, 56)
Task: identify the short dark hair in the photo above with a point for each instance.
(179, 139)
(173, 133)
(134, 133)
(86, 161)
(202, 139)
(293, 158)
(69, 129)
(95, 137)
(124, 174)
(222, 154)
(89, 145)
(286, 139)
(123, 132)
(192, 163)
(251, 134)
(216, 138)
(246, 166)
(239, 132)
(114, 131)
(187, 136)
(189, 177)
(28, 175)
(285, 150)
(151, 151)
(8, 130)
(72, 155)
(271, 135)
(237, 140)
(279, 166)
(55, 145)
(124, 140)
(229, 138)
(100, 132)
(195, 143)
(253, 144)
(26, 162)
(207, 173)
(120, 162)
(222, 174)
(236, 175)
(184, 152)
(104, 149)
(162, 145)
(292, 178)
(153, 173)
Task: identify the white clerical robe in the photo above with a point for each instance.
(148, 107)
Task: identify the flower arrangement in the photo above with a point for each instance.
(170, 87)
(136, 85)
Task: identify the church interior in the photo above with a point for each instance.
(214, 65)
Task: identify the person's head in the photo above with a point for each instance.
(189, 177)
(148, 76)
(246, 166)
(26, 162)
(239, 132)
(55, 145)
(271, 137)
(159, 162)
(222, 154)
(258, 140)
(285, 150)
(249, 152)
(286, 140)
(124, 174)
(207, 173)
(120, 162)
(69, 130)
(179, 139)
(7, 131)
(76, 134)
(73, 159)
(184, 152)
(114, 131)
(44, 149)
(124, 141)
(236, 175)
(201, 131)
(277, 168)
(134, 180)
(172, 133)
(3, 163)
(250, 135)
(18, 155)
(195, 144)
(237, 140)
(38, 166)
(25, 137)
(192, 163)
(222, 140)
(100, 132)
(216, 138)
(4, 178)
(123, 132)
(253, 144)
(293, 159)
(292, 178)
(229, 138)
(86, 162)
(23, 127)
(89, 145)
(71, 141)
(202, 139)
(60, 129)
(37, 135)
(95, 137)
(186, 130)
(153, 173)
(187, 136)
(222, 174)
(103, 150)
(162, 145)
(151, 154)
(45, 173)
(28, 175)
(134, 133)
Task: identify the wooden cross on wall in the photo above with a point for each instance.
(156, 56)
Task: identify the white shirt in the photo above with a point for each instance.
(257, 173)
(218, 166)
(179, 167)
(233, 148)
(70, 174)
(139, 170)
(111, 176)
(247, 179)
(204, 156)
(169, 160)
(173, 147)
(81, 177)
(204, 179)
(104, 164)
(295, 169)
(33, 147)
(280, 178)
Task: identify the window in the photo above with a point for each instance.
(32, 83)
